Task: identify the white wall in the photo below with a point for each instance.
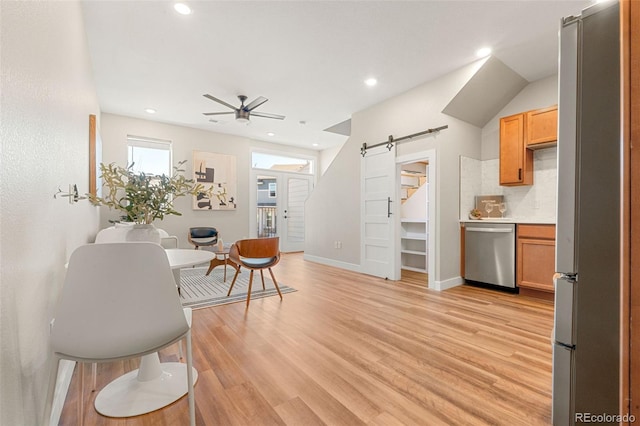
(416, 206)
(46, 98)
(231, 224)
(327, 156)
(333, 210)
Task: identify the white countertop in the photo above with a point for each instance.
(537, 221)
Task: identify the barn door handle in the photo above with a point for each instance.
(389, 207)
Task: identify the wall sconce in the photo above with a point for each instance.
(72, 194)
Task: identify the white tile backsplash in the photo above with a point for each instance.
(470, 185)
(536, 202)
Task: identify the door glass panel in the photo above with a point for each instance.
(297, 193)
(267, 206)
(282, 163)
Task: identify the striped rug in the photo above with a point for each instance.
(200, 291)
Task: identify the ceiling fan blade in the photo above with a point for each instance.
(220, 101)
(267, 115)
(255, 103)
(217, 113)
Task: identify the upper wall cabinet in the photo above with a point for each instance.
(519, 135)
(542, 127)
(516, 161)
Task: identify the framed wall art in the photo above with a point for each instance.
(95, 157)
(217, 171)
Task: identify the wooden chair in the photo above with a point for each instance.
(255, 254)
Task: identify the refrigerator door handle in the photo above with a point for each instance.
(568, 122)
(564, 312)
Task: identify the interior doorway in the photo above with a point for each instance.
(416, 176)
(414, 220)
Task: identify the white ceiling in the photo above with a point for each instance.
(309, 58)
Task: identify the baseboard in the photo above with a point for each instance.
(447, 284)
(65, 373)
(437, 285)
(332, 262)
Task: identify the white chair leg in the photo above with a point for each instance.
(188, 314)
(192, 399)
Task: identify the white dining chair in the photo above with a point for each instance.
(118, 233)
(104, 317)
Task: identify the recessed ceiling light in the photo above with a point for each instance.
(182, 8)
(314, 144)
(271, 134)
(485, 51)
(150, 111)
(371, 82)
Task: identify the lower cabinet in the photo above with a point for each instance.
(535, 260)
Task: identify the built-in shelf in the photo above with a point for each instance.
(415, 236)
(414, 244)
(419, 252)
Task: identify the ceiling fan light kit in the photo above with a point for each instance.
(243, 112)
(242, 116)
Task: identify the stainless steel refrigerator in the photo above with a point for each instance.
(587, 300)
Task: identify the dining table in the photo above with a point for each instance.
(154, 384)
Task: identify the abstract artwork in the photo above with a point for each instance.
(217, 171)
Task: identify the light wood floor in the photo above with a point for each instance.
(350, 349)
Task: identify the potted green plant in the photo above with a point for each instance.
(142, 197)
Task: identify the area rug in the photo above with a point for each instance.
(200, 291)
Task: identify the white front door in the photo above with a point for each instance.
(297, 192)
(279, 206)
(378, 178)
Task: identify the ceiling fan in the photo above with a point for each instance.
(243, 112)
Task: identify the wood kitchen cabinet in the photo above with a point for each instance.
(516, 161)
(520, 134)
(542, 127)
(535, 260)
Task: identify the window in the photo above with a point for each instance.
(151, 156)
(260, 160)
(272, 190)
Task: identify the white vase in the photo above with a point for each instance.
(143, 232)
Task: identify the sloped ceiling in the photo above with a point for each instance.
(309, 58)
(486, 93)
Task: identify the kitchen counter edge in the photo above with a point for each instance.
(516, 221)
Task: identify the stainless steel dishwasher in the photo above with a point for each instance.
(489, 255)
